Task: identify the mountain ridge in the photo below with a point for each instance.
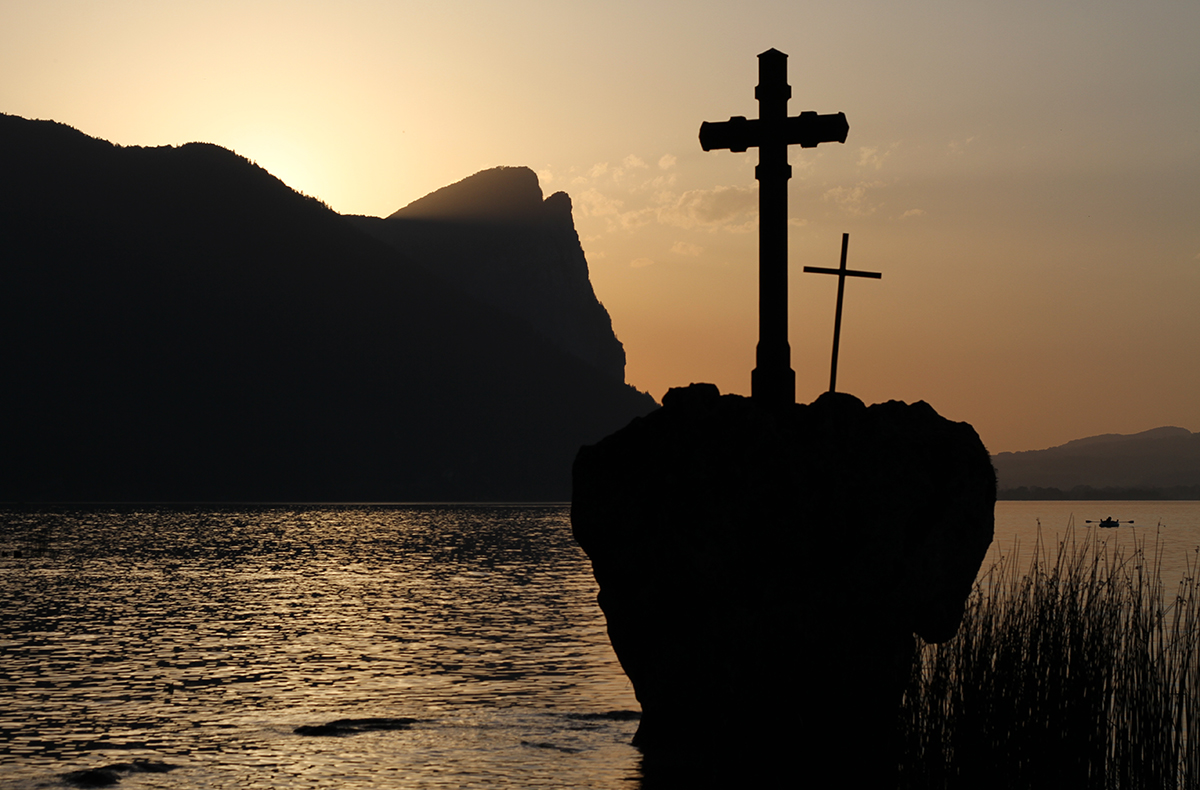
(179, 325)
(504, 193)
(1165, 460)
(1108, 438)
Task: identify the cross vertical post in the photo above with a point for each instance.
(842, 273)
(773, 382)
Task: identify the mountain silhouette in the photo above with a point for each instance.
(1159, 459)
(179, 325)
(494, 237)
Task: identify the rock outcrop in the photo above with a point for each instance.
(763, 573)
(493, 237)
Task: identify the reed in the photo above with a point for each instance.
(1079, 673)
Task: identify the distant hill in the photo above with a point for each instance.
(176, 324)
(1163, 463)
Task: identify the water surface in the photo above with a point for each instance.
(203, 638)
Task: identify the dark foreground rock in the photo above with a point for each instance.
(354, 726)
(763, 573)
(110, 775)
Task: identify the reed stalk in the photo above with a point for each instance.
(1079, 673)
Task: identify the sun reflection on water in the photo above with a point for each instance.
(203, 638)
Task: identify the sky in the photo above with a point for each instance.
(1025, 175)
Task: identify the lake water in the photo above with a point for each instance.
(1172, 529)
(203, 638)
(465, 640)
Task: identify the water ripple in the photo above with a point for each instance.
(204, 638)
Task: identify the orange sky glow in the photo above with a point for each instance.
(1026, 175)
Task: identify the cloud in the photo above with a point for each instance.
(628, 165)
(802, 164)
(604, 172)
(913, 212)
(870, 157)
(957, 147)
(593, 204)
(727, 207)
(686, 248)
(635, 219)
(853, 200)
(730, 208)
(638, 263)
(667, 162)
(545, 176)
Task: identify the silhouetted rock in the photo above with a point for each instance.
(341, 727)
(110, 775)
(493, 237)
(762, 572)
(176, 324)
(610, 715)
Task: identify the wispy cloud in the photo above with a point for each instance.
(958, 147)
(594, 204)
(870, 157)
(724, 207)
(853, 200)
(638, 263)
(913, 212)
(626, 202)
(686, 248)
(628, 175)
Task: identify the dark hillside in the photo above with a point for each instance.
(178, 324)
(1159, 463)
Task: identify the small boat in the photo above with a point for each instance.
(1108, 522)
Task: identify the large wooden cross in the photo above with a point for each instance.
(842, 273)
(773, 382)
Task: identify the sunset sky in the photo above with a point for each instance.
(1026, 175)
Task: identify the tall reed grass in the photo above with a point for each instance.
(1081, 672)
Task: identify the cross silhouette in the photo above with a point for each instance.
(773, 381)
(842, 273)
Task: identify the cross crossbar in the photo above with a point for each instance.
(807, 130)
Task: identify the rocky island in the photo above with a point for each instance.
(763, 571)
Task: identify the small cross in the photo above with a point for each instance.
(842, 273)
